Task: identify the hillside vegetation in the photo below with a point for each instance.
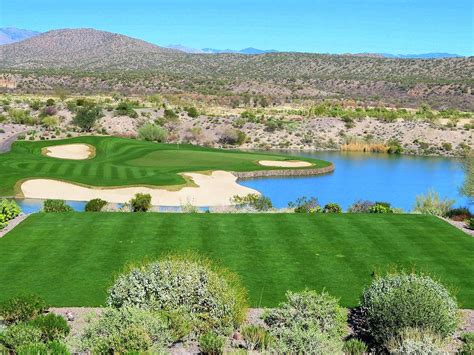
(87, 59)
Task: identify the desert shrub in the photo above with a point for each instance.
(360, 206)
(86, 117)
(9, 209)
(20, 334)
(398, 301)
(152, 132)
(211, 343)
(35, 105)
(52, 326)
(50, 102)
(256, 337)
(50, 121)
(125, 108)
(52, 206)
(22, 309)
(95, 205)
(170, 115)
(255, 202)
(296, 340)
(232, 136)
(192, 112)
(20, 116)
(212, 297)
(415, 341)
(332, 208)
(48, 111)
(305, 205)
(431, 203)
(467, 346)
(380, 208)
(141, 202)
(126, 329)
(459, 214)
(354, 347)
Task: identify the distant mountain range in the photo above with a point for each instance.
(11, 35)
(249, 50)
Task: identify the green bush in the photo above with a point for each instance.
(332, 208)
(415, 341)
(256, 337)
(470, 224)
(212, 297)
(50, 348)
(87, 116)
(232, 136)
(255, 202)
(22, 309)
(170, 115)
(53, 206)
(305, 205)
(95, 205)
(126, 330)
(20, 116)
(380, 208)
(431, 203)
(211, 344)
(20, 334)
(8, 210)
(52, 326)
(141, 202)
(308, 309)
(398, 301)
(459, 214)
(355, 347)
(50, 121)
(467, 346)
(125, 108)
(153, 133)
(192, 112)
(307, 320)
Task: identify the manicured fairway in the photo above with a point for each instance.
(70, 258)
(121, 162)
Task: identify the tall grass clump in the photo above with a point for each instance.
(353, 144)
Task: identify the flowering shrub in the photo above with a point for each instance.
(360, 206)
(126, 330)
(332, 208)
(213, 298)
(307, 322)
(399, 301)
(305, 205)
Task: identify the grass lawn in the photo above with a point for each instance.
(120, 162)
(70, 259)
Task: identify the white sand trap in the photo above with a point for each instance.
(213, 190)
(285, 164)
(69, 151)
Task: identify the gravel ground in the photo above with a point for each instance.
(460, 225)
(13, 223)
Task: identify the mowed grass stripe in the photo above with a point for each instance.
(150, 163)
(71, 259)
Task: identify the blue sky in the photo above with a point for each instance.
(327, 26)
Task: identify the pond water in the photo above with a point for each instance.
(374, 177)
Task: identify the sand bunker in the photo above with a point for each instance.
(285, 164)
(70, 151)
(213, 190)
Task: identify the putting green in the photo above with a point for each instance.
(124, 162)
(70, 259)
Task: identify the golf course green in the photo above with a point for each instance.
(70, 259)
(125, 162)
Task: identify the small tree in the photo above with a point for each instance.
(95, 205)
(141, 202)
(86, 117)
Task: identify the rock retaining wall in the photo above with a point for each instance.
(283, 172)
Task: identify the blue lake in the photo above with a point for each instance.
(375, 177)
